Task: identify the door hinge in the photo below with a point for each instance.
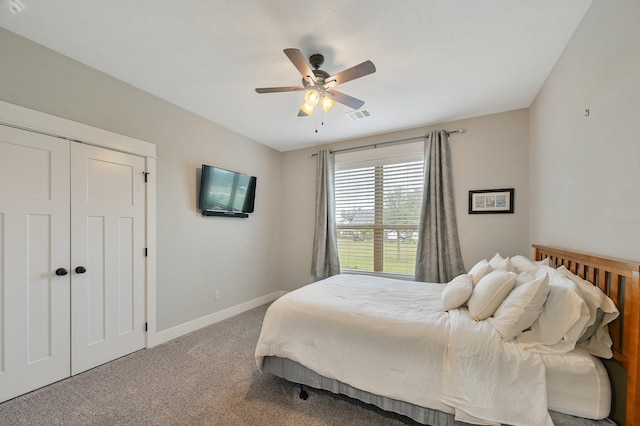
(146, 252)
(145, 174)
(146, 326)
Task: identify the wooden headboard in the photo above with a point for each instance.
(620, 280)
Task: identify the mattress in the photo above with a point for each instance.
(577, 384)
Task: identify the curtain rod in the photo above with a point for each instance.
(380, 144)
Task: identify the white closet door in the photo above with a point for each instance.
(107, 239)
(34, 242)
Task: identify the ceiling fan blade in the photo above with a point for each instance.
(280, 89)
(299, 61)
(347, 100)
(301, 113)
(352, 73)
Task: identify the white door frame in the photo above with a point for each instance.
(27, 119)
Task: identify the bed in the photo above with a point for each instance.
(338, 335)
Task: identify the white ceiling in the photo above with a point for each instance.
(436, 60)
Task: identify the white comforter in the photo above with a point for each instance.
(389, 337)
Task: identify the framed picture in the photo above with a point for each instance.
(491, 201)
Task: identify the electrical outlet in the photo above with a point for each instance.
(216, 295)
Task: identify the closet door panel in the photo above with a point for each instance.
(126, 275)
(96, 290)
(34, 243)
(108, 196)
(39, 345)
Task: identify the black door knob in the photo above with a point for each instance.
(80, 270)
(61, 271)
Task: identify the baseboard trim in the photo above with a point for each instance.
(154, 339)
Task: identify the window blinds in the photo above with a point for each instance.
(378, 213)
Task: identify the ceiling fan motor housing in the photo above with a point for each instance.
(320, 77)
(316, 60)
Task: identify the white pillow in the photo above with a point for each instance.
(498, 262)
(545, 262)
(595, 299)
(562, 320)
(525, 277)
(544, 269)
(489, 293)
(599, 344)
(521, 308)
(522, 264)
(479, 270)
(457, 292)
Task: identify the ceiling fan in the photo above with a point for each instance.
(319, 85)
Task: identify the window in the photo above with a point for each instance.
(378, 213)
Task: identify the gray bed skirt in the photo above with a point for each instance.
(297, 373)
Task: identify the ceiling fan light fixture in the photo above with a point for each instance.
(307, 109)
(327, 103)
(312, 97)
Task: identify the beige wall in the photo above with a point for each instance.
(492, 154)
(585, 177)
(196, 255)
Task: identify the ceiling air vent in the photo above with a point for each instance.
(360, 114)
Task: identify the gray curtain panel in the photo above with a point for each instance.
(325, 262)
(438, 257)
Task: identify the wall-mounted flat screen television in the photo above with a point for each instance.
(226, 193)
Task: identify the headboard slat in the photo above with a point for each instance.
(615, 328)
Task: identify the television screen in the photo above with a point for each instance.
(226, 191)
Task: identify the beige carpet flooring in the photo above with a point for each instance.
(208, 377)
